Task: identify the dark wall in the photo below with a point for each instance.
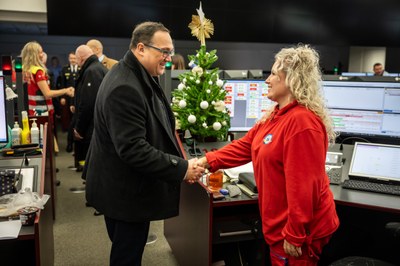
(340, 22)
(232, 55)
(393, 59)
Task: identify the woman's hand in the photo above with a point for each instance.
(203, 162)
(70, 91)
(291, 250)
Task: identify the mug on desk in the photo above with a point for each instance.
(215, 180)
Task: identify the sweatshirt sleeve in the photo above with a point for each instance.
(237, 153)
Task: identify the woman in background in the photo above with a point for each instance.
(288, 147)
(178, 62)
(35, 74)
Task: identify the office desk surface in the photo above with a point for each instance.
(364, 199)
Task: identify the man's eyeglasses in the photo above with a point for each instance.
(165, 53)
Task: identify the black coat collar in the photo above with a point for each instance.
(151, 82)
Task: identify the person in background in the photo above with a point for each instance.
(50, 74)
(90, 77)
(69, 74)
(97, 48)
(35, 74)
(379, 70)
(55, 100)
(288, 147)
(55, 68)
(178, 62)
(135, 167)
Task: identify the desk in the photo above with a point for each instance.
(194, 234)
(206, 229)
(361, 199)
(35, 244)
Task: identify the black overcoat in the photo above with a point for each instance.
(134, 167)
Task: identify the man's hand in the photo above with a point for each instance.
(194, 171)
(77, 135)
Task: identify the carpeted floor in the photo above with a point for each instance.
(80, 238)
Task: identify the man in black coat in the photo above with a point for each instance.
(90, 77)
(134, 167)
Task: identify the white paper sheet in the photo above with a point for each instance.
(235, 171)
(10, 229)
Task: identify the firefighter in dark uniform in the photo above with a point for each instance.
(69, 74)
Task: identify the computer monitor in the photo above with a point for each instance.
(337, 78)
(377, 161)
(247, 101)
(379, 79)
(256, 74)
(372, 74)
(176, 72)
(369, 110)
(354, 74)
(236, 74)
(3, 113)
(392, 74)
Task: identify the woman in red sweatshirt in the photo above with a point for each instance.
(288, 148)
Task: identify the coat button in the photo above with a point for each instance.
(174, 161)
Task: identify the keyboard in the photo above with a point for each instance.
(7, 181)
(372, 187)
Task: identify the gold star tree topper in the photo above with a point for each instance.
(201, 27)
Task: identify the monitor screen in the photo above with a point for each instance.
(176, 72)
(256, 74)
(246, 101)
(3, 112)
(236, 74)
(377, 161)
(354, 74)
(364, 108)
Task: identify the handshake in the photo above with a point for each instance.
(196, 169)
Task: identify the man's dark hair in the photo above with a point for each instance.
(377, 64)
(144, 33)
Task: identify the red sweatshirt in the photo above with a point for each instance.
(288, 153)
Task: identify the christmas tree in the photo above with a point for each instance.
(198, 102)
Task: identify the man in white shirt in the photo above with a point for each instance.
(379, 70)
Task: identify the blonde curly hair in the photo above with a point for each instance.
(303, 77)
(31, 57)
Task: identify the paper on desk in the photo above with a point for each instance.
(10, 229)
(235, 171)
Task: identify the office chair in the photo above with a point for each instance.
(393, 228)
